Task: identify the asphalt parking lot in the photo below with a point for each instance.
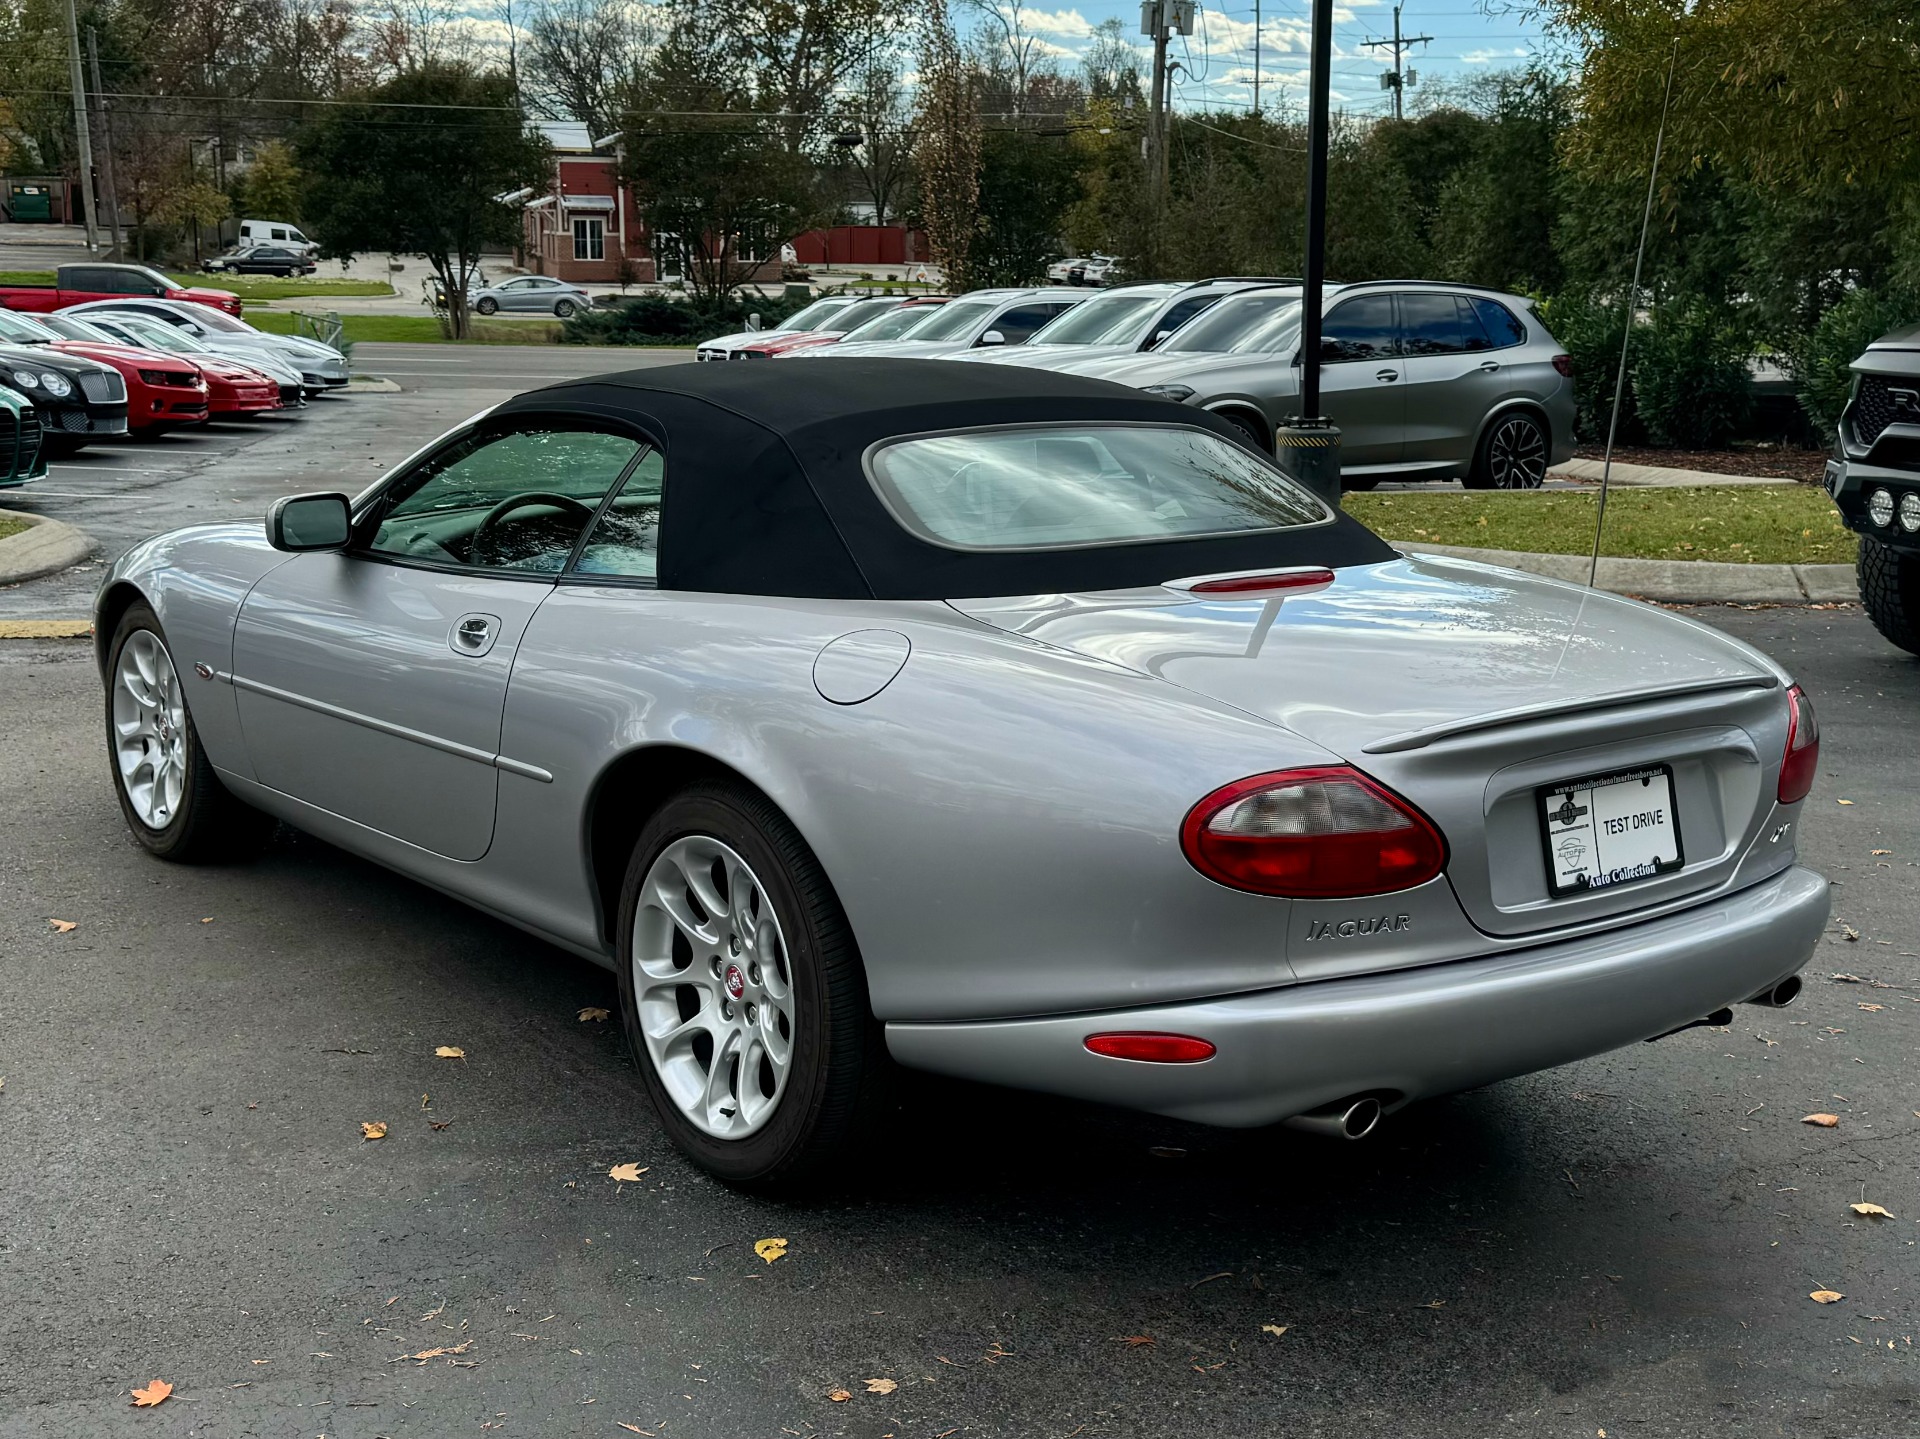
(1625, 1246)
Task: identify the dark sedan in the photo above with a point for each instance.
(261, 260)
(78, 400)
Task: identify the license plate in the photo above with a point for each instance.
(1609, 830)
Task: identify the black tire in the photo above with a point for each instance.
(836, 1086)
(1262, 443)
(1890, 593)
(486, 305)
(563, 309)
(1513, 453)
(209, 824)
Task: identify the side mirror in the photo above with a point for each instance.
(309, 522)
(1161, 338)
(993, 337)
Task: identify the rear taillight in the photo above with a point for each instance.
(1322, 833)
(1803, 747)
(1564, 364)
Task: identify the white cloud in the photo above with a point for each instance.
(1484, 57)
(1068, 24)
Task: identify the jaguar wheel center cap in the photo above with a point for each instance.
(736, 981)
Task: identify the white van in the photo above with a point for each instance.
(275, 232)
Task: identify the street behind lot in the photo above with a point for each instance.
(1626, 1244)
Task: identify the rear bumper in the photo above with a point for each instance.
(1409, 1034)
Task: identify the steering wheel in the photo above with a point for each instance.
(482, 532)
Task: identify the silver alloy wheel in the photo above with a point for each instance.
(1517, 454)
(149, 729)
(713, 987)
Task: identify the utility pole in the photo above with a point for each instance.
(1161, 19)
(106, 126)
(1308, 445)
(1395, 80)
(1256, 57)
(81, 133)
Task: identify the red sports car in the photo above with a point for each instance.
(163, 390)
(860, 313)
(233, 388)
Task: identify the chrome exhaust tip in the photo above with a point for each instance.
(1347, 1119)
(1778, 996)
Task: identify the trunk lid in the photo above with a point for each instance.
(1469, 689)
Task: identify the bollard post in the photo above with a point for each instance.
(1309, 451)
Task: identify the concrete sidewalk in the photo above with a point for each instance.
(1675, 581)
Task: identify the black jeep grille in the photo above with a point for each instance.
(19, 443)
(1881, 401)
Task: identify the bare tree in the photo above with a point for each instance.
(1007, 50)
(877, 112)
(583, 58)
(947, 152)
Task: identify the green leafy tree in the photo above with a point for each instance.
(1028, 182)
(429, 186)
(947, 149)
(270, 189)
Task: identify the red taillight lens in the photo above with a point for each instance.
(1564, 364)
(1802, 758)
(1323, 833)
(1151, 1047)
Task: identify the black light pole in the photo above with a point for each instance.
(1308, 446)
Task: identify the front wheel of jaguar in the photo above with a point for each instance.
(743, 993)
(173, 801)
(1513, 454)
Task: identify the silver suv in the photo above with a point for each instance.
(1426, 381)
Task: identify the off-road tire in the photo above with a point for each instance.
(838, 1087)
(210, 826)
(1890, 592)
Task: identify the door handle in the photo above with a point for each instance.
(1386, 374)
(1489, 366)
(473, 635)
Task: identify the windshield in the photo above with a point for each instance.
(68, 328)
(161, 336)
(953, 321)
(1068, 486)
(1111, 320)
(1243, 324)
(854, 316)
(19, 330)
(899, 324)
(816, 314)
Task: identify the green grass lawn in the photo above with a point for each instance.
(10, 526)
(416, 329)
(247, 287)
(1739, 524)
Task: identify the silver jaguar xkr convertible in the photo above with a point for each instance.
(1000, 723)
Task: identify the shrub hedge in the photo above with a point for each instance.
(656, 320)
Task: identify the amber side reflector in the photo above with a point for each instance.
(1151, 1047)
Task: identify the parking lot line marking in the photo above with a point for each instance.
(45, 629)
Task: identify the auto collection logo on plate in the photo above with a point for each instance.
(1609, 830)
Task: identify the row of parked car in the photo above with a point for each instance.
(1426, 381)
(115, 365)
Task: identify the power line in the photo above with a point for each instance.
(1398, 80)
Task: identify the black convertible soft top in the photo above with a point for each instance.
(766, 493)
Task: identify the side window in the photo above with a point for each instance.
(1439, 325)
(515, 502)
(1019, 323)
(1179, 314)
(277, 233)
(86, 278)
(1359, 329)
(1502, 327)
(626, 538)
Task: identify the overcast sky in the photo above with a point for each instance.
(1217, 60)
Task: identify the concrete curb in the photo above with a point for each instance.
(1678, 581)
(1587, 472)
(371, 385)
(45, 547)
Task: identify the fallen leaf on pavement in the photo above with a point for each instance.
(1136, 1341)
(1826, 1296)
(1825, 1121)
(1871, 1008)
(207, 920)
(592, 1012)
(1843, 801)
(450, 1051)
(626, 1173)
(374, 1129)
(61, 926)
(634, 1428)
(839, 1396)
(425, 1354)
(882, 1386)
(1879, 851)
(438, 1123)
(157, 1391)
(770, 1249)
(1849, 933)
(1276, 1330)
(1872, 1210)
